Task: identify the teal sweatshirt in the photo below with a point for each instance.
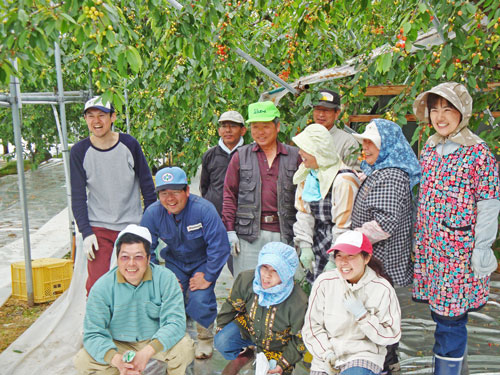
(117, 310)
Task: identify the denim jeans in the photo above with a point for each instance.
(450, 336)
(229, 342)
(358, 371)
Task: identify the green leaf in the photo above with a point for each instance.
(495, 46)
(440, 70)
(134, 59)
(450, 71)
(446, 54)
(68, 17)
(475, 60)
(406, 27)
(386, 62)
(472, 82)
(22, 16)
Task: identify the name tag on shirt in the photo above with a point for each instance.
(193, 227)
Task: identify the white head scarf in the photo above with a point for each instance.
(317, 141)
(457, 95)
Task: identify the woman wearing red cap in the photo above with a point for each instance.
(353, 312)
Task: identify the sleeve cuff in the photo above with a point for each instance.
(157, 345)
(109, 355)
(210, 278)
(283, 363)
(87, 233)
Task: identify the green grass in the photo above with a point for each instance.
(11, 167)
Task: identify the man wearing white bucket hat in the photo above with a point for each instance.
(134, 312)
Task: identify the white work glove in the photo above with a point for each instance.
(354, 305)
(330, 361)
(89, 245)
(234, 241)
(307, 258)
(330, 266)
(483, 262)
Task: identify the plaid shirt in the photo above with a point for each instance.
(385, 197)
(355, 363)
(322, 240)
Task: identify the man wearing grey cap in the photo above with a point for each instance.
(216, 159)
(325, 112)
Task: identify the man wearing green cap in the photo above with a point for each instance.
(259, 194)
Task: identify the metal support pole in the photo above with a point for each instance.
(64, 140)
(127, 118)
(266, 71)
(15, 105)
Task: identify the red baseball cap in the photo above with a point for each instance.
(352, 242)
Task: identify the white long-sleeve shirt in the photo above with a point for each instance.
(328, 326)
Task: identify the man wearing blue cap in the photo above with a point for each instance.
(108, 174)
(197, 247)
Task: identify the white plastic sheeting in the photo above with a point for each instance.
(49, 345)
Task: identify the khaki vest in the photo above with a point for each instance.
(248, 213)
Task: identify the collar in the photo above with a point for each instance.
(280, 148)
(148, 276)
(226, 149)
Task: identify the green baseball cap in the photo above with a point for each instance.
(262, 112)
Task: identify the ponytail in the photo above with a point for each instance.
(378, 267)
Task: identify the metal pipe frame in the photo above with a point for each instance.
(16, 121)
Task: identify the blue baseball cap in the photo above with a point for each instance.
(173, 178)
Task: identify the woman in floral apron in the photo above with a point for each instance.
(456, 221)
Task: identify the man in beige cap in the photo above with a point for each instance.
(326, 112)
(216, 159)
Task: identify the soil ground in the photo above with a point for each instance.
(16, 317)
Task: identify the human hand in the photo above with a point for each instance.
(306, 258)
(354, 305)
(276, 370)
(124, 367)
(483, 261)
(234, 241)
(89, 245)
(198, 282)
(330, 360)
(142, 358)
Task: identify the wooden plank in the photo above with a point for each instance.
(368, 118)
(384, 90)
(397, 89)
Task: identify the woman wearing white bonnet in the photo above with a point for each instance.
(326, 189)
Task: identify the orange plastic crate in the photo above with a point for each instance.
(51, 277)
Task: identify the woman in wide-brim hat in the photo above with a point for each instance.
(456, 221)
